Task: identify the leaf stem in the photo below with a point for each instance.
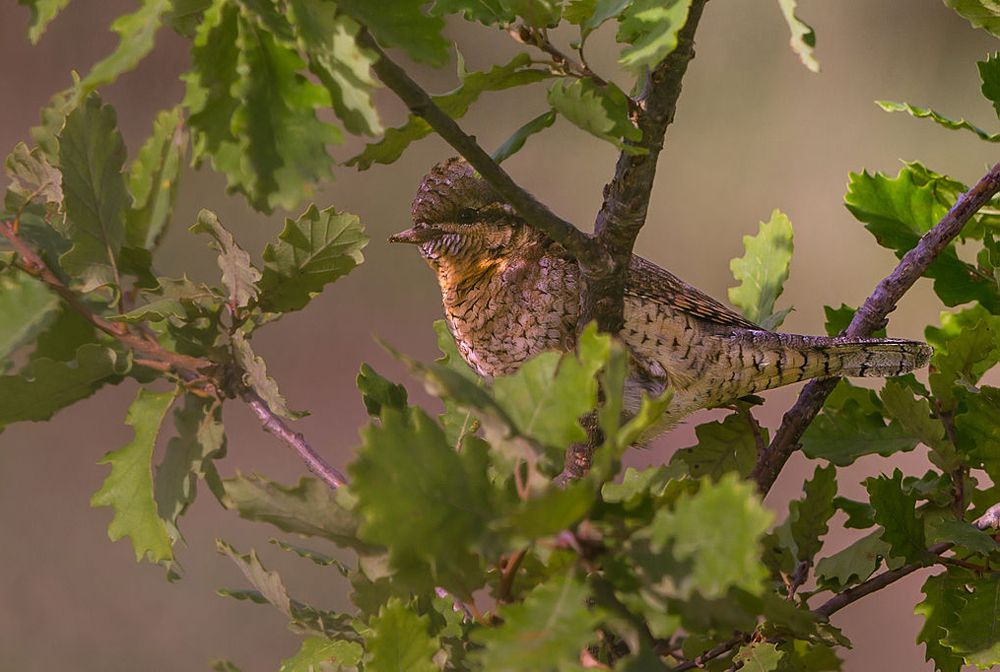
(870, 317)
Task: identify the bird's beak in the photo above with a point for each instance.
(416, 235)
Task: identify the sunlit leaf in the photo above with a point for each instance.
(762, 271)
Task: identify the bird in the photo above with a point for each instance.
(510, 292)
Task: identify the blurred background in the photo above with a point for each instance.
(754, 131)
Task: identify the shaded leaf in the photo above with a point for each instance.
(128, 489)
(268, 584)
(312, 251)
(255, 376)
(914, 415)
(809, 517)
(989, 74)
(980, 13)
(961, 533)
(940, 604)
(27, 307)
(400, 640)
(49, 385)
(238, 273)
(545, 632)
(32, 177)
(515, 142)
(853, 564)
(895, 511)
(838, 319)
(762, 271)
(377, 392)
(403, 24)
(722, 447)
(91, 156)
(966, 345)
(974, 633)
(153, 180)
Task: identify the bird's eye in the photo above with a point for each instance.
(467, 215)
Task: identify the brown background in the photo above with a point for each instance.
(755, 131)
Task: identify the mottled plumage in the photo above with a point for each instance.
(510, 292)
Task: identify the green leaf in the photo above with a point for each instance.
(914, 415)
(136, 34)
(809, 517)
(939, 608)
(487, 12)
(254, 112)
(49, 385)
(937, 117)
(421, 499)
(555, 510)
(719, 531)
(238, 273)
(546, 397)
(537, 13)
(897, 211)
(515, 142)
(961, 533)
(966, 345)
(400, 640)
(650, 28)
(457, 419)
(722, 447)
(401, 23)
(989, 74)
(42, 12)
(91, 156)
(377, 392)
(320, 653)
(153, 180)
(269, 584)
(853, 564)
(32, 177)
(312, 556)
(803, 39)
(27, 307)
(129, 487)
(309, 508)
(518, 72)
(980, 13)
(895, 511)
(762, 271)
(255, 377)
(222, 665)
(200, 439)
(852, 425)
(329, 41)
(601, 111)
(974, 633)
(838, 319)
(545, 632)
(312, 251)
(759, 657)
(978, 430)
(63, 337)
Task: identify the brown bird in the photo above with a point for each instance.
(510, 292)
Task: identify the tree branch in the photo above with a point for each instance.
(871, 316)
(157, 357)
(626, 196)
(536, 214)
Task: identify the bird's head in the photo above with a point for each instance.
(461, 225)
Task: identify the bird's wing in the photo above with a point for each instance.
(647, 280)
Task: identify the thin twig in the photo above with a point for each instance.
(508, 573)
(527, 35)
(872, 316)
(534, 212)
(719, 650)
(273, 423)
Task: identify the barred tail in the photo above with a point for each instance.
(780, 359)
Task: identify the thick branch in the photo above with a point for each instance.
(872, 316)
(626, 197)
(534, 212)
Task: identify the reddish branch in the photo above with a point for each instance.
(191, 370)
(872, 316)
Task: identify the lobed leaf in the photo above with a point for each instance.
(895, 511)
(136, 35)
(809, 517)
(762, 271)
(989, 75)
(378, 392)
(545, 632)
(320, 653)
(400, 640)
(602, 111)
(938, 118)
(312, 251)
(853, 564)
(49, 385)
(722, 447)
(403, 24)
(255, 377)
(939, 607)
(27, 307)
(42, 12)
(803, 38)
(759, 657)
(128, 489)
(980, 13)
(32, 177)
(268, 583)
(239, 275)
(966, 345)
(973, 632)
(650, 28)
